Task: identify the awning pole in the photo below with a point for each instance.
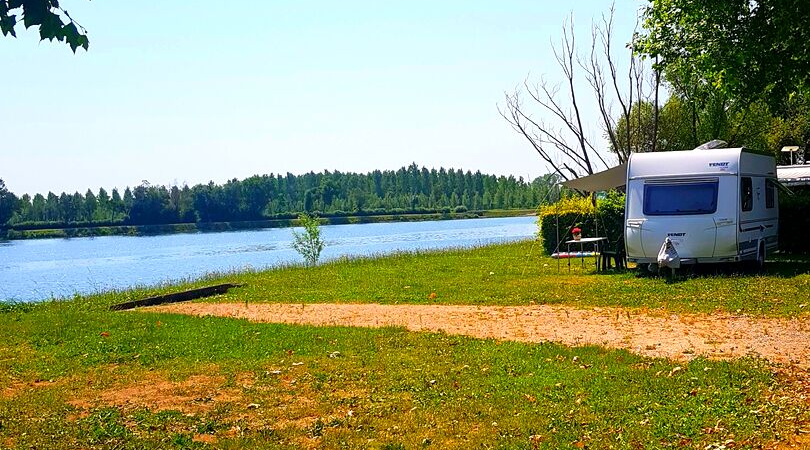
(557, 218)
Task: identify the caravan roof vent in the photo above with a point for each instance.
(714, 143)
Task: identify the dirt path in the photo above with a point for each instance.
(674, 336)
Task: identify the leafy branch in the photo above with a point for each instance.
(48, 16)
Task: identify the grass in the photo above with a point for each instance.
(232, 384)
(75, 375)
(513, 274)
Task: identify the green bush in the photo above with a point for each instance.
(308, 243)
(606, 219)
(794, 222)
(611, 216)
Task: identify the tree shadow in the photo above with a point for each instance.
(781, 266)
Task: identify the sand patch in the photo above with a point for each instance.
(650, 333)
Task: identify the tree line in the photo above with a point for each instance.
(407, 190)
(677, 86)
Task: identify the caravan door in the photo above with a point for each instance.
(682, 210)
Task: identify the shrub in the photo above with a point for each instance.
(568, 212)
(309, 243)
(460, 209)
(610, 210)
(794, 220)
(606, 219)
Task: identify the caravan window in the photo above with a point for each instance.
(770, 194)
(746, 194)
(679, 199)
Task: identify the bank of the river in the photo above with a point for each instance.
(151, 230)
(40, 269)
(75, 375)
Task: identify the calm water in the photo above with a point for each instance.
(42, 269)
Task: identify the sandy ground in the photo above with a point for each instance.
(658, 334)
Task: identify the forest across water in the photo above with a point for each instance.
(410, 193)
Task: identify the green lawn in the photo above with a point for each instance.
(294, 387)
(75, 375)
(516, 274)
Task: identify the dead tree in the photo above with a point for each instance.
(562, 140)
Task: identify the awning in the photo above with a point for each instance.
(617, 176)
(794, 175)
(601, 181)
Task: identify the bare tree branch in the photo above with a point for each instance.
(563, 141)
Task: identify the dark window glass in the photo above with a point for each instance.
(746, 194)
(679, 199)
(770, 194)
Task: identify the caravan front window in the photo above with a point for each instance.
(677, 199)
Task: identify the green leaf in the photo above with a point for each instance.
(84, 42)
(51, 27)
(35, 15)
(7, 25)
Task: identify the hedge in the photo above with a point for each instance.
(794, 220)
(580, 212)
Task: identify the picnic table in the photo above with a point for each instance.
(582, 254)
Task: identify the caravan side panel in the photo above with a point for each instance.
(634, 218)
(758, 205)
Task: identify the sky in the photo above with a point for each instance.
(172, 93)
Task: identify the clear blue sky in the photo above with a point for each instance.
(191, 92)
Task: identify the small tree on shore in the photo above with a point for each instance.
(308, 243)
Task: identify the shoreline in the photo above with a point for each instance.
(170, 287)
(214, 227)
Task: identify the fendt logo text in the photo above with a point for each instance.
(719, 164)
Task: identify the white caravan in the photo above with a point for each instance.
(715, 205)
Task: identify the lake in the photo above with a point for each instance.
(34, 270)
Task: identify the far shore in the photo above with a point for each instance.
(161, 229)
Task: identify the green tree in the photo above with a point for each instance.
(53, 21)
(38, 208)
(746, 50)
(8, 204)
(52, 210)
(117, 206)
(791, 128)
(308, 243)
(90, 205)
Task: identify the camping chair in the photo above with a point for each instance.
(617, 254)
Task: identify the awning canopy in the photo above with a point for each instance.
(794, 175)
(617, 176)
(601, 181)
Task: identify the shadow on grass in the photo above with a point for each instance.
(781, 266)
